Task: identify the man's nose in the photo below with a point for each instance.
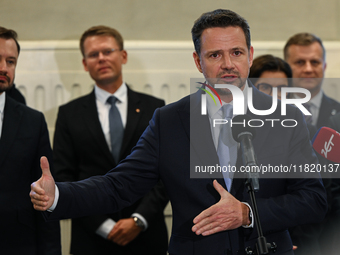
(101, 55)
(3, 66)
(227, 62)
(308, 67)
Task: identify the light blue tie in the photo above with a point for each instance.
(227, 146)
(116, 128)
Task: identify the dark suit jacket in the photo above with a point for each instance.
(23, 141)
(81, 151)
(14, 93)
(334, 123)
(171, 146)
(328, 108)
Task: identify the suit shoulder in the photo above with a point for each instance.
(23, 108)
(331, 101)
(180, 105)
(149, 98)
(334, 122)
(75, 102)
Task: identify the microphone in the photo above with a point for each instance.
(244, 134)
(326, 142)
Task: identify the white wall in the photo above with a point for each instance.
(50, 73)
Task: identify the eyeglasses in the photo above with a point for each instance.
(267, 88)
(105, 52)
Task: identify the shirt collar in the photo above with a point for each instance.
(315, 101)
(214, 108)
(2, 102)
(120, 94)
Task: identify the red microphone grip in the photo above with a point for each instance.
(326, 142)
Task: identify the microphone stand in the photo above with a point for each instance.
(261, 247)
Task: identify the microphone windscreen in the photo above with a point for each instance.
(240, 126)
(326, 142)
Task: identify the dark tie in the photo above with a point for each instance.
(308, 118)
(227, 146)
(116, 128)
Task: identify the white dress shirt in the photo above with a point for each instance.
(2, 107)
(214, 113)
(103, 108)
(103, 114)
(314, 106)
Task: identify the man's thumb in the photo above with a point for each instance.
(45, 166)
(218, 187)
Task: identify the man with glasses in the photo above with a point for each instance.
(93, 133)
(269, 71)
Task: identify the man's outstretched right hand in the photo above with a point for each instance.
(43, 190)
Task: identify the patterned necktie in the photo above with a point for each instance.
(308, 118)
(116, 128)
(227, 146)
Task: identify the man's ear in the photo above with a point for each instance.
(197, 61)
(251, 56)
(85, 65)
(124, 56)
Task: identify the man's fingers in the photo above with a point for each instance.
(203, 215)
(38, 203)
(36, 189)
(207, 226)
(213, 230)
(209, 211)
(39, 208)
(45, 166)
(114, 232)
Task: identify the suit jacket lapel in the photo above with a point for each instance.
(133, 117)
(326, 110)
(325, 107)
(10, 127)
(262, 132)
(90, 116)
(197, 128)
(201, 138)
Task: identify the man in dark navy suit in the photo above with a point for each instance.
(306, 55)
(207, 219)
(23, 140)
(83, 147)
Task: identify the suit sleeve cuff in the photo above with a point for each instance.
(139, 216)
(251, 225)
(105, 228)
(56, 198)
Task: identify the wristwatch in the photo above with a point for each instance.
(139, 222)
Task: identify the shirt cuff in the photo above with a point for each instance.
(56, 198)
(139, 216)
(105, 228)
(251, 225)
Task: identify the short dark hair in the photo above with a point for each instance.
(101, 31)
(218, 18)
(269, 63)
(303, 39)
(9, 34)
